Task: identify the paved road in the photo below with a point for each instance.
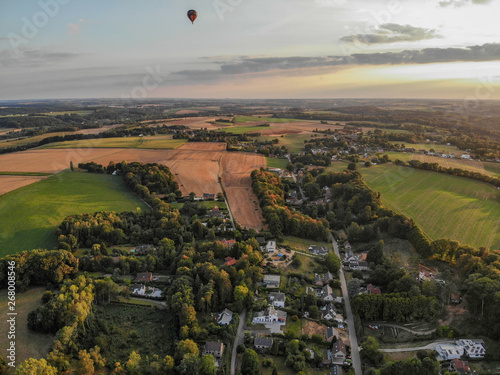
(431, 346)
(356, 359)
(238, 339)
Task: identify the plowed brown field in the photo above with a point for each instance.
(197, 167)
(235, 173)
(9, 183)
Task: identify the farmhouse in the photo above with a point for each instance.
(272, 281)
(208, 196)
(216, 213)
(225, 317)
(277, 299)
(144, 277)
(270, 246)
(263, 343)
(270, 315)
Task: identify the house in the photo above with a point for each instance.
(363, 266)
(339, 352)
(462, 367)
(225, 317)
(327, 277)
(228, 243)
(347, 245)
(373, 289)
(318, 280)
(329, 311)
(473, 348)
(270, 315)
(263, 343)
(450, 351)
(272, 281)
(208, 197)
(261, 240)
(331, 333)
(318, 250)
(215, 348)
(455, 298)
(339, 318)
(229, 261)
(277, 299)
(216, 213)
(270, 246)
(465, 156)
(138, 289)
(327, 293)
(144, 277)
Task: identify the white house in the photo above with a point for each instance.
(270, 315)
(473, 348)
(225, 317)
(270, 246)
(327, 293)
(450, 351)
(277, 299)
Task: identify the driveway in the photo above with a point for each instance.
(238, 339)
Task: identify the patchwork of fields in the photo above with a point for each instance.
(443, 206)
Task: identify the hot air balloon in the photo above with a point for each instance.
(192, 14)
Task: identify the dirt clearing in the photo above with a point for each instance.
(9, 183)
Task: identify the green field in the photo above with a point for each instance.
(443, 206)
(24, 174)
(27, 140)
(428, 146)
(240, 129)
(124, 142)
(31, 214)
(207, 204)
(29, 344)
(492, 167)
(263, 119)
(302, 244)
(293, 142)
(276, 163)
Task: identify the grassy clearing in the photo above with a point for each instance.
(29, 344)
(239, 129)
(294, 327)
(492, 167)
(293, 142)
(276, 163)
(128, 328)
(428, 146)
(443, 206)
(24, 174)
(30, 215)
(207, 204)
(302, 244)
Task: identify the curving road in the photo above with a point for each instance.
(431, 346)
(356, 359)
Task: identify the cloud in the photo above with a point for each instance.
(392, 33)
(24, 57)
(461, 3)
(75, 28)
(245, 65)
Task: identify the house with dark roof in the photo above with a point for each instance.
(272, 281)
(208, 197)
(331, 333)
(263, 343)
(144, 277)
(339, 352)
(277, 299)
(216, 213)
(215, 348)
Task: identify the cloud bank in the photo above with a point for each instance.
(392, 33)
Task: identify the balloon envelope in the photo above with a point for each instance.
(192, 14)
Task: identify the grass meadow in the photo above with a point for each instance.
(31, 214)
(443, 206)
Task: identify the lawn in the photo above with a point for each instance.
(293, 142)
(276, 163)
(31, 214)
(443, 206)
(302, 244)
(29, 344)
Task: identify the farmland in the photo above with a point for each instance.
(443, 206)
(27, 222)
(29, 344)
(235, 173)
(161, 142)
(9, 183)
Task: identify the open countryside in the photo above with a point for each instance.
(444, 206)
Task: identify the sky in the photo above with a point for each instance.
(250, 49)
